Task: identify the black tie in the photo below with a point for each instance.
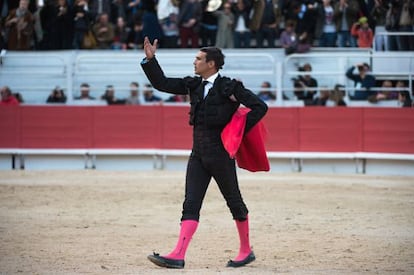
(203, 85)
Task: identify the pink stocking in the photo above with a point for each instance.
(188, 228)
(243, 229)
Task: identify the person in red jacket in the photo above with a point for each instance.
(363, 33)
(7, 97)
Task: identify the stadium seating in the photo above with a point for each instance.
(302, 139)
(35, 74)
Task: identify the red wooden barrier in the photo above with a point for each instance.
(176, 132)
(388, 130)
(9, 127)
(282, 125)
(54, 127)
(127, 127)
(316, 129)
(332, 130)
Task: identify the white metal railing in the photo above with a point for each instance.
(31, 73)
(126, 67)
(17, 157)
(18, 63)
(388, 35)
(403, 61)
(69, 69)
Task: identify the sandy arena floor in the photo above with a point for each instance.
(96, 222)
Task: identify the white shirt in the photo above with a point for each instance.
(210, 83)
(241, 26)
(165, 8)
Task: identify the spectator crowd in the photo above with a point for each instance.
(108, 97)
(295, 25)
(366, 88)
(305, 90)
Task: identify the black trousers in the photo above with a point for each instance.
(209, 160)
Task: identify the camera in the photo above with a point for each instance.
(363, 66)
(297, 82)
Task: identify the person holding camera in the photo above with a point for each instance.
(346, 12)
(56, 96)
(305, 85)
(363, 33)
(20, 27)
(379, 13)
(291, 41)
(363, 82)
(325, 29)
(110, 98)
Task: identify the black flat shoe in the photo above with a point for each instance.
(250, 258)
(165, 262)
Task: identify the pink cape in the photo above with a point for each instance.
(248, 150)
